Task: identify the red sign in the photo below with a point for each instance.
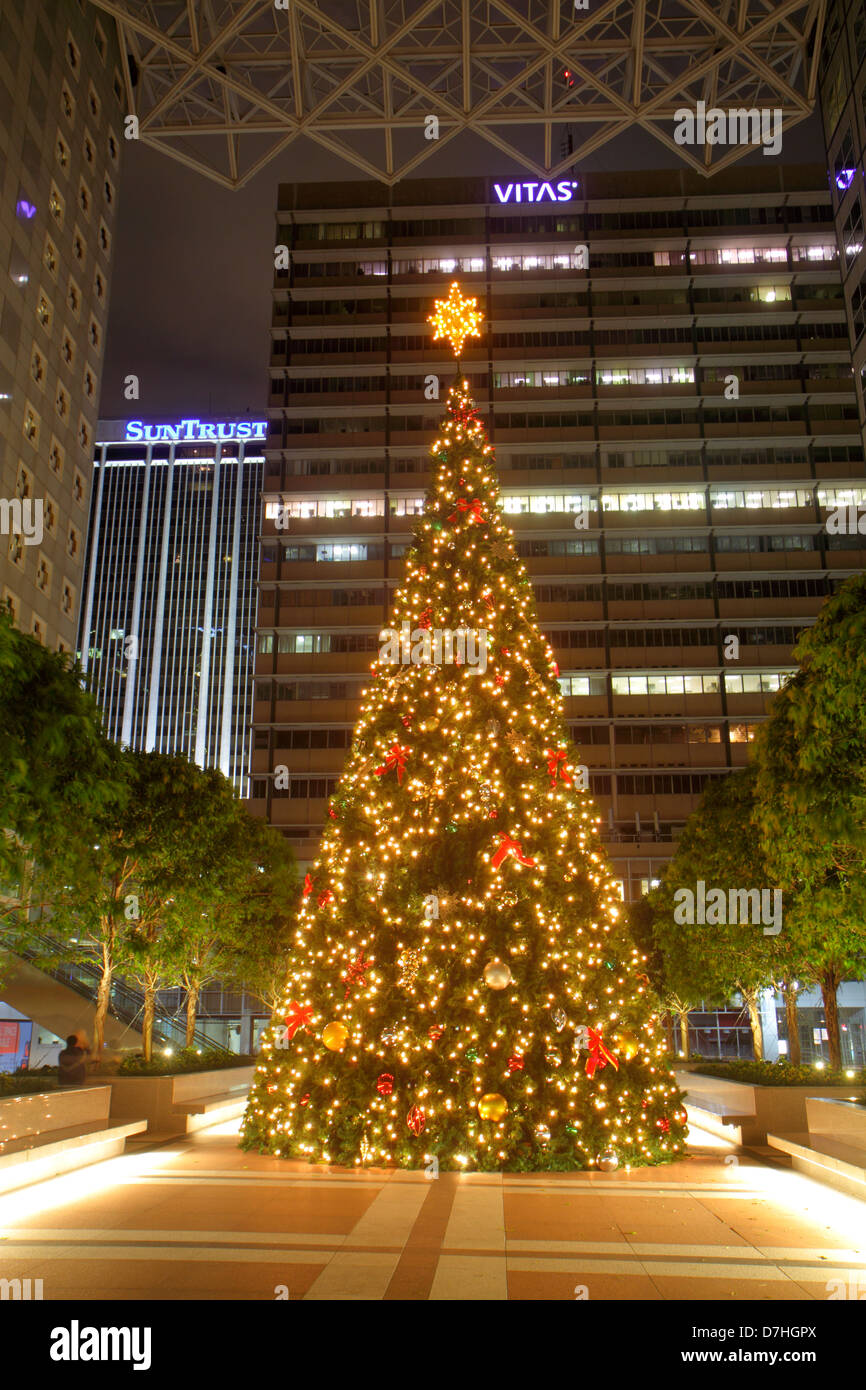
(8, 1036)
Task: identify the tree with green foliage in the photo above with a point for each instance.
(233, 925)
(674, 1006)
(59, 769)
(811, 797)
(714, 959)
(126, 896)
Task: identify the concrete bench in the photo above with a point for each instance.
(208, 1110)
(184, 1103)
(47, 1133)
(717, 1119)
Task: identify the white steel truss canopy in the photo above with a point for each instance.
(226, 85)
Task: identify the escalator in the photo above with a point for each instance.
(48, 982)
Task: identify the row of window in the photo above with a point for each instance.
(796, 337)
(562, 638)
(584, 734)
(548, 377)
(778, 296)
(580, 259)
(533, 504)
(705, 683)
(600, 783)
(537, 223)
(596, 456)
(654, 416)
(620, 591)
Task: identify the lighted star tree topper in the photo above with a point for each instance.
(455, 318)
(462, 989)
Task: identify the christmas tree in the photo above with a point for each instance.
(462, 988)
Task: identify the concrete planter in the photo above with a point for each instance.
(183, 1103)
(834, 1150)
(745, 1113)
(32, 1115)
(46, 1133)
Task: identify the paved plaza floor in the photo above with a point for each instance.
(200, 1219)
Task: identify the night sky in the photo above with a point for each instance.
(193, 267)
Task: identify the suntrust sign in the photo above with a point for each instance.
(193, 430)
(561, 192)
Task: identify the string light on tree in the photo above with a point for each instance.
(461, 984)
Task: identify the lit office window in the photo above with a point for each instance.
(406, 506)
(653, 501)
(755, 682)
(665, 684)
(561, 261)
(341, 552)
(582, 685)
(841, 496)
(770, 498)
(814, 253)
(520, 504)
(644, 376)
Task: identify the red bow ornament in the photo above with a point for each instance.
(396, 759)
(599, 1053)
(508, 846)
(299, 1016)
(553, 761)
(308, 885)
(471, 505)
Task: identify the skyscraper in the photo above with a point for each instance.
(666, 377)
(168, 611)
(843, 103)
(61, 120)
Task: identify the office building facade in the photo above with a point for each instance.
(167, 623)
(61, 121)
(671, 358)
(843, 105)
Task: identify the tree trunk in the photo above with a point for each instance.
(794, 1053)
(147, 1020)
(103, 997)
(684, 1032)
(829, 982)
(752, 1003)
(192, 993)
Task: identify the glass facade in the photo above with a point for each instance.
(166, 636)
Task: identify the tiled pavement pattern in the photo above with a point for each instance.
(201, 1220)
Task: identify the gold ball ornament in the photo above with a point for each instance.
(493, 1106)
(497, 974)
(625, 1045)
(334, 1036)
